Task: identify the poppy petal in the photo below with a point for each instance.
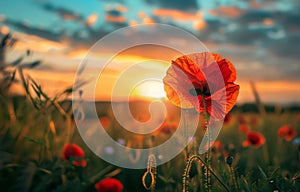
(193, 76)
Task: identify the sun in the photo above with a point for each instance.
(153, 89)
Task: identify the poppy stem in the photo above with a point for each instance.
(185, 124)
(232, 173)
(207, 170)
(187, 170)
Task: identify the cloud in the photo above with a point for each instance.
(113, 12)
(65, 14)
(133, 23)
(115, 19)
(254, 4)
(148, 20)
(287, 47)
(259, 64)
(275, 31)
(288, 20)
(45, 33)
(174, 14)
(4, 30)
(229, 11)
(254, 16)
(141, 14)
(244, 36)
(199, 24)
(69, 15)
(121, 8)
(114, 15)
(175, 4)
(92, 19)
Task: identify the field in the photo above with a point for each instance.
(32, 140)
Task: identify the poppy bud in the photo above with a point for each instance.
(229, 160)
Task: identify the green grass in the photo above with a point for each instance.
(31, 155)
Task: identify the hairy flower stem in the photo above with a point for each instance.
(188, 168)
(232, 173)
(207, 158)
(68, 129)
(186, 137)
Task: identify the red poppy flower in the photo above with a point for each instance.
(105, 122)
(241, 120)
(243, 128)
(198, 75)
(217, 144)
(75, 154)
(254, 138)
(109, 185)
(286, 132)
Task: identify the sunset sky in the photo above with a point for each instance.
(260, 37)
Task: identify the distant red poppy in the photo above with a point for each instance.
(254, 138)
(109, 185)
(105, 122)
(217, 144)
(191, 77)
(243, 128)
(75, 154)
(241, 119)
(287, 132)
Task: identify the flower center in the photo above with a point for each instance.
(254, 139)
(199, 91)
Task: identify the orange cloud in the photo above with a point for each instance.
(213, 12)
(148, 20)
(230, 11)
(197, 18)
(174, 14)
(4, 30)
(36, 43)
(77, 53)
(68, 16)
(121, 8)
(133, 23)
(268, 22)
(92, 19)
(254, 4)
(199, 25)
(115, 19)
(142, 14)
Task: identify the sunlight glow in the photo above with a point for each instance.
(151, 89)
